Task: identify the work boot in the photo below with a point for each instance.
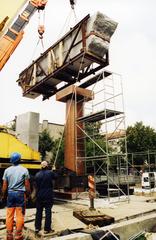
(9, 235)
(37, 231)
(18, 235)
(49, 231)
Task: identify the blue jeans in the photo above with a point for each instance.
(16, 199)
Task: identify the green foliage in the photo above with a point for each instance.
(142, 237)
(93, 149)
(93, 131)
(93, 128)
(45, 143)
(98, 145)
(140, 138)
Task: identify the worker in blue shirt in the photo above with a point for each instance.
(16, 185)
(44, 197)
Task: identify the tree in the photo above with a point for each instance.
(93, 130)
(140, 138)
(45, 143)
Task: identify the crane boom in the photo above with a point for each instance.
(11, 25)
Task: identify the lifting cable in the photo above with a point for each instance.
(67, 23)
(40, 5)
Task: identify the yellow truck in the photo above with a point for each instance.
(9, 143)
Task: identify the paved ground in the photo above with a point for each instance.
(63, 219)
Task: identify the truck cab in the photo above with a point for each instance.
(148, 180)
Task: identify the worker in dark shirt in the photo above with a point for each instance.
(44, 197)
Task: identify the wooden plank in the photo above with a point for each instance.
(93, 217)
(66, 93)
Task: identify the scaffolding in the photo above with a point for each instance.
(103, 128)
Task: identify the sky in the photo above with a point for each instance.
(132, 54)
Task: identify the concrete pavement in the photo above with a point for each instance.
(138, 209)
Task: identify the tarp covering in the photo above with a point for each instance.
(103, 27)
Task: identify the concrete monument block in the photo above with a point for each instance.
(27, 129)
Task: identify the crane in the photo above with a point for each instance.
(13, 22)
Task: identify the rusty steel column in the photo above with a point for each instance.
(74, 110)
(73, 149)
(70, 143)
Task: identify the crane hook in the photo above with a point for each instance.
(41, 30)
(72, 3)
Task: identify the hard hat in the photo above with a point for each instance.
(44, 164)
(15, 157)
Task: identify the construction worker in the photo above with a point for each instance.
(17, 186)
(44, 197)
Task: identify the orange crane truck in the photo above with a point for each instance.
(12, 23)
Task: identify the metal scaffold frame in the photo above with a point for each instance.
(103, 128)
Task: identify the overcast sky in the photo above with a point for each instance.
(132, 54)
